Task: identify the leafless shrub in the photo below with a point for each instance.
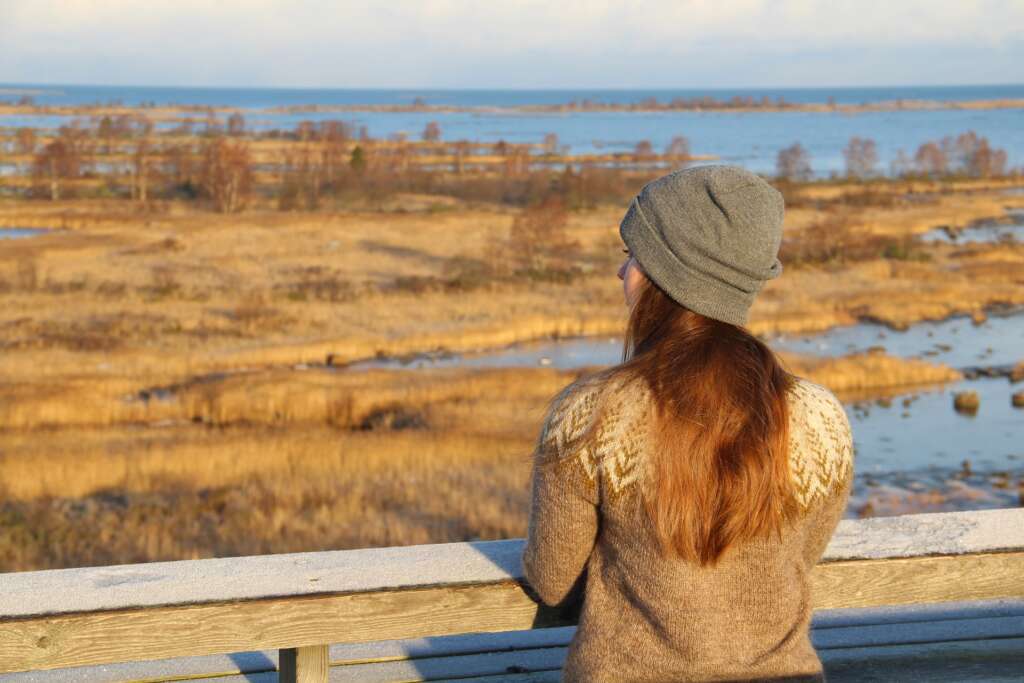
(539, 244)
(226, 176)
(678, 149)
(861, 156)
(793, 163)
(644, 151)
(431, 132)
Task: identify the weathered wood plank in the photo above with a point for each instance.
(494, 653)
(66, 591)
(303, 664)
(70, 640)
(918, 580)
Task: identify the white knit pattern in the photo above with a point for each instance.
(820, 441)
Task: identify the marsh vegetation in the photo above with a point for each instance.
(173, 354)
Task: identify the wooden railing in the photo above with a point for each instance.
(301, 603)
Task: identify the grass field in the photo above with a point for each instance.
(170, 381)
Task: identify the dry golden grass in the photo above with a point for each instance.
(220, 432)
(415, 457)
(150, 407)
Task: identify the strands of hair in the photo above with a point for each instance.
(719, 472)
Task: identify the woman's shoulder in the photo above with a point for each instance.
(577, 405)
(599, 421)
(820, 442)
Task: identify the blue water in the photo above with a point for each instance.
(956, 342)
(272, 97)
(19, 233)
(749, 139)
(987, 232)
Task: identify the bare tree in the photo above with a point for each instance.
(538, 240)
(987, 162)
(550, 143)
(678, 149)
(793, 163)
(142, 168)
(25, 141)
(334, 136)
(181, 168)
(226, 175)
(59, 161)
(105, 132)
(901, 165)
(861, 157)
(305, 131)
(517, 160)
(931, 160)
(236, 125)
(976, 158)
(460, 152)
(431, 132)
(644, 151)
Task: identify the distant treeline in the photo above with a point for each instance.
(329, 163)
(966, 155)
(230, 166)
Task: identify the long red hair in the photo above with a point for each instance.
(719, 464)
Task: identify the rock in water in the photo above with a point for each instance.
(966, 402)
(1017, 374)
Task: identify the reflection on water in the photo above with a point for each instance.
(914, 452)
(956, 341)
(561, 353)
(986, 232)
(920, 430)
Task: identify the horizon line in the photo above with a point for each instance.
(504, 89)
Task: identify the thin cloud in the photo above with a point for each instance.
(528, 43)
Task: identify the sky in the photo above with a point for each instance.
(512, 43)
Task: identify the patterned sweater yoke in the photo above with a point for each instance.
(647, 617)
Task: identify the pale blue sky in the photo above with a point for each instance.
(512, 44)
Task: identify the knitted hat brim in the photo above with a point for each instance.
(700, 292)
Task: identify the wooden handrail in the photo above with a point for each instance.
(302, 602)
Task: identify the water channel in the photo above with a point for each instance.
(19, 233)
(1010, 229)
(913, 448)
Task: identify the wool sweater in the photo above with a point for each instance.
(648, 617)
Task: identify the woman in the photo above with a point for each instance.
(690, 490)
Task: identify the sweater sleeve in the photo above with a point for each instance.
(564, 513)
(822, 523)
(821, 461)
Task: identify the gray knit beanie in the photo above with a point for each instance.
(709, 236)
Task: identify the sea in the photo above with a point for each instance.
(750, 139)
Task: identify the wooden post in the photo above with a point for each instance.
(303, 664)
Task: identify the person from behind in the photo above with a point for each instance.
(689, 490)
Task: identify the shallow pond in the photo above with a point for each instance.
(912, 447)
(18, 233)
(985, 232)
(920, 430)
(955, 341)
